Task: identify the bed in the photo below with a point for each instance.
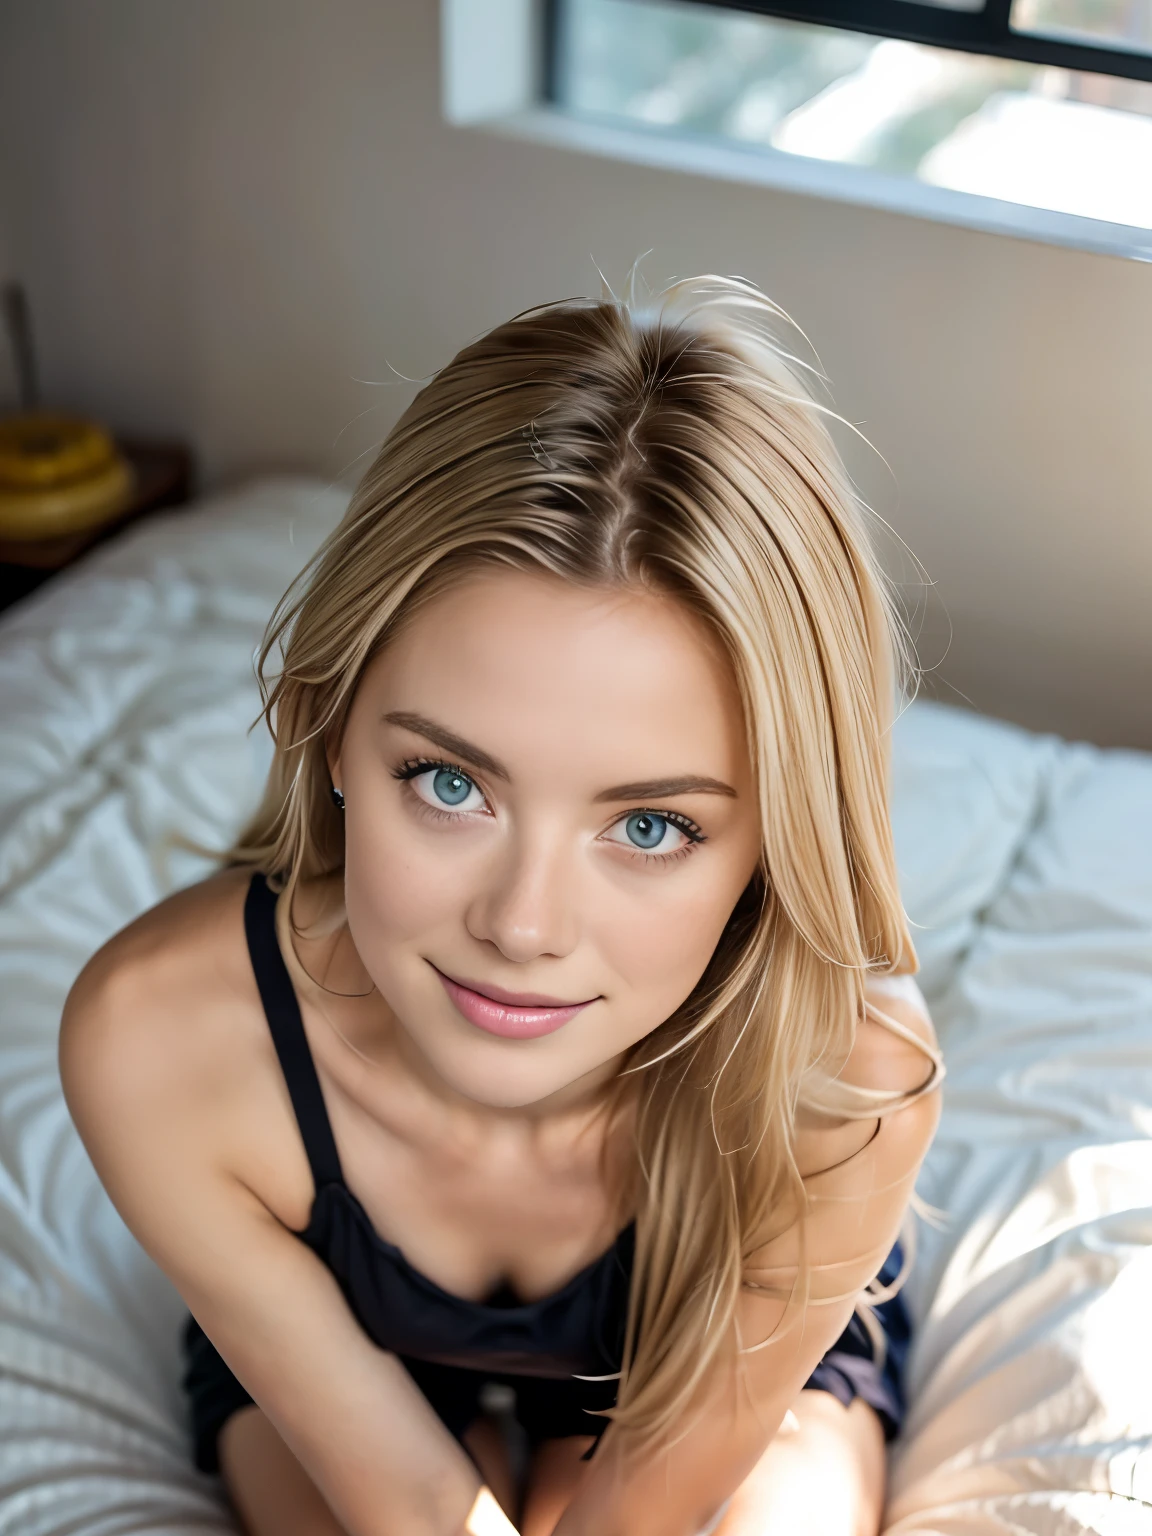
(126, 690)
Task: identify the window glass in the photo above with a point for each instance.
(1123, 24)
(1050, 138)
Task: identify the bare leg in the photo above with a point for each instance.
(274, 1496)
(554, 1477)
(825, 1478)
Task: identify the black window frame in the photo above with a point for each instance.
(987, 31)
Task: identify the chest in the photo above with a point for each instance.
(479, 1219)
(477, 1214)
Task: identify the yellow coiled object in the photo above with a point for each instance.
(58, 475)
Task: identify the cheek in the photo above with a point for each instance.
(398, 887)
(659, 942)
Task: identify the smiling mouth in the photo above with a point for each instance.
(513, 1015)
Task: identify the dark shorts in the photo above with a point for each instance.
(549, 1408)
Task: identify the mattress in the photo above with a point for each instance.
(126, 692)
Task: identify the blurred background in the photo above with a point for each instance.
(246, 227)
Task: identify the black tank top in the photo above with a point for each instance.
(578, 1330)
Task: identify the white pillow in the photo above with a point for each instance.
(1031, 1374)
(126, 693)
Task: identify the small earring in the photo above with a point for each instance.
(337, 798)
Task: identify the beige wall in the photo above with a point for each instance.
(231, 213)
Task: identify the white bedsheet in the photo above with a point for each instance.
(125, 693)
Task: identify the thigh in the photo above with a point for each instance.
(554, 1475)
(823, 1477)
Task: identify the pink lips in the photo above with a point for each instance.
(515, 1016)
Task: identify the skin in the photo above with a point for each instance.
(481, 1156)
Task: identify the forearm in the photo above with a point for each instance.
(458, 1505)
(678, 1488)
(275, 1494)
(667, 1491)
(391, 1468)
(419, 1508)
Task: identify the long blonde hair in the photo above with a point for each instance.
(672, 447)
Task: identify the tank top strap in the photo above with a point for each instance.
(282, 1010)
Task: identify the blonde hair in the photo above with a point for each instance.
(675, 448)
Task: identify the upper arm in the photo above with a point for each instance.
(859, 1174)
(146, 1106)
(859, 1180)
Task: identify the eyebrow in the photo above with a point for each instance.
(639, 790)
(658, 789)
(448, 741)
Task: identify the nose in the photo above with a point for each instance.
(526, 905)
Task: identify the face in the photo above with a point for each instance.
(549, 819)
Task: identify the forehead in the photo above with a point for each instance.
(532, 666)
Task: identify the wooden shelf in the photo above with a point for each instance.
(163, 479)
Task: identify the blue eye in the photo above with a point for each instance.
(450, 787)
(646, 830)
(650, 832)
(443, 788)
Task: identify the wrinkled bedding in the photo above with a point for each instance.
(126, 690)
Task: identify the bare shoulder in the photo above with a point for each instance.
(155, 1023)
(896, 1050)
(896, 1056)
(173, 962)
(864, 1162)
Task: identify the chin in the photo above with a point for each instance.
(492, 1075)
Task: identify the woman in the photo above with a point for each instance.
(552, 1025)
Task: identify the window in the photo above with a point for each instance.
(1041, 103)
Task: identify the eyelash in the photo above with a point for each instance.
(676, 819)
(412, 767)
